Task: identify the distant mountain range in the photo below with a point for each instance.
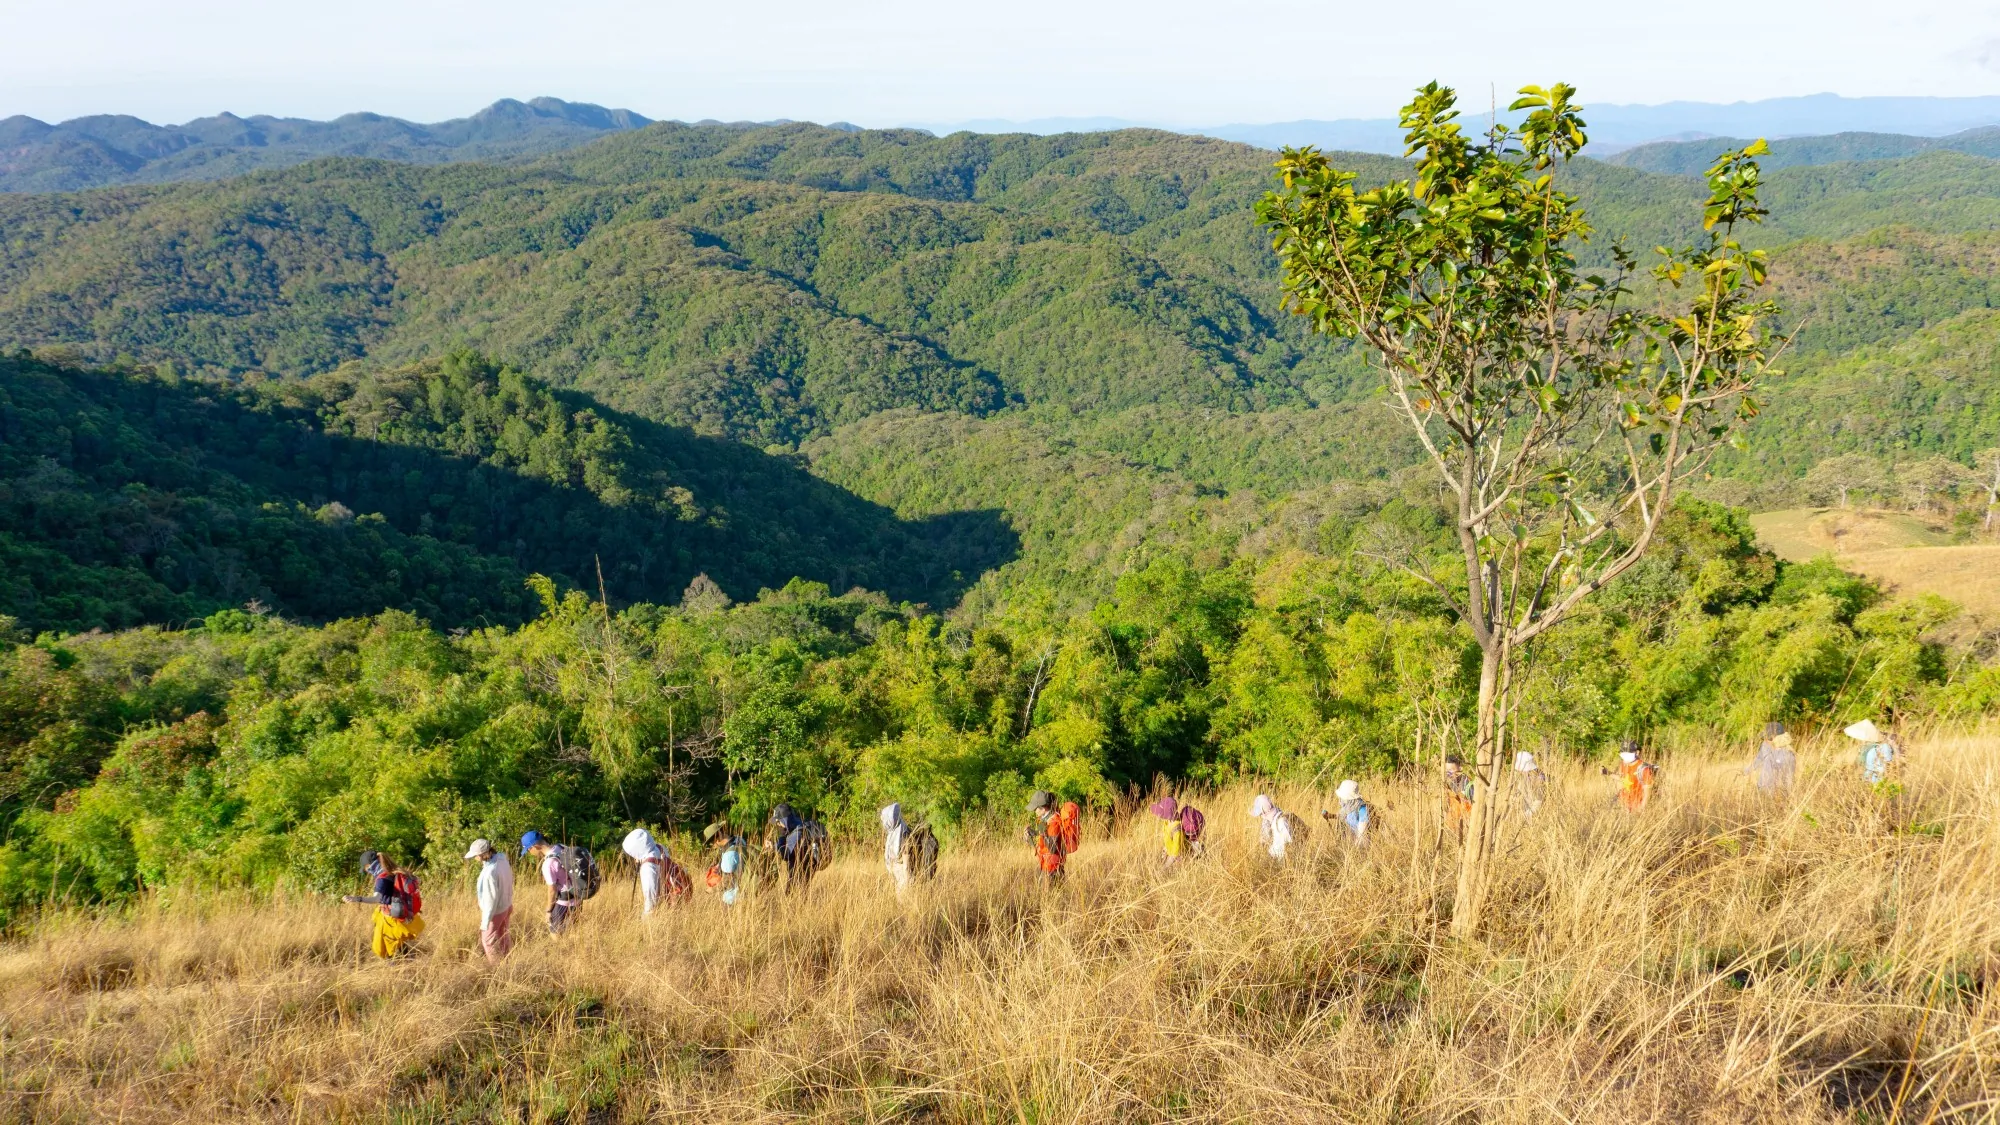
(1679, 137)
(113, 149)
(1612, 127)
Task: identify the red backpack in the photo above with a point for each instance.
(405, 889)
(1192, 822)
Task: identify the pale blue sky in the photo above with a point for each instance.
(898, 61)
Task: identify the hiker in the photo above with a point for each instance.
(1878, 752)
(1048, 835)
(894, 834)
(1355, 815)
(495, 890)
(1775, 765)
(802, 844)
(1457, 794)
(565, 898)
(1275, 828)
(1635, 777)
(1173, 841)
(726, 873)
(1531, 785)
(399, 905)
(660, 878)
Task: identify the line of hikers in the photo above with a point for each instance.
(800, 847)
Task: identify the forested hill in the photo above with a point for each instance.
(129, 497)
(96, 151)
(1060, 351)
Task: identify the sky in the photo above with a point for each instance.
(891, 62)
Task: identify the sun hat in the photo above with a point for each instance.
(479, 848)
(709, 834)
(1262, 806)
(368, 861)
(1349, 790)
(1166, 808)
(1865, 731)
(1524, 761)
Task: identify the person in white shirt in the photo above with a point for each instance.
(894, 834)
(495, 888)
(1274, 834)
(651, 856)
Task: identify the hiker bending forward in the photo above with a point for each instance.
(398, 905)
(1173, 838)
(660, 879)
(1635, 777)
(1274, 828)
(495, 890)
(1776, 765)
(1355, 815)
(564, 899)
(1053, 834)
(895, 833)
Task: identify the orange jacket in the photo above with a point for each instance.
(1635, 784)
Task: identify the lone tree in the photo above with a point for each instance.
(1561, 423)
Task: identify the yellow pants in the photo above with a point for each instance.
(392, 933)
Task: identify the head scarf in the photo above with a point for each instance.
(1262, 806)
(1524, 761)
(894, 832)
(640, 845)
(1166, 808)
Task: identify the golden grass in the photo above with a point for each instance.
(1907, 554)
(1714, 960)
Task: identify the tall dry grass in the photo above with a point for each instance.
(1716, 959)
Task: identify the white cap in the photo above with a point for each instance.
(1864, 731)
(479, 848)
(1348, 790)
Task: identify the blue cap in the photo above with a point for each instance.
(529, 839)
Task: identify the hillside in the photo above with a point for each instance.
(1906, 554)
(88, 152)
(128, 498)
(952, 328)
(1692, 158)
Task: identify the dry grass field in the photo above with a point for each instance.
(1831, 958)
(1908, 554)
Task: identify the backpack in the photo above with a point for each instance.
(1297, 827)
(407, 895)
(814, 850)
(675, 885)
(1192, 822)
(921, 846)
(581, 867)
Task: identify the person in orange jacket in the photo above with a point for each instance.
(1054, 834)
(1635, 777)
(1457, 794)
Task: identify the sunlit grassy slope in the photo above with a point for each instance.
(1905, 552)
(1714, 959)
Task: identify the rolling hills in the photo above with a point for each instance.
(1075, 335)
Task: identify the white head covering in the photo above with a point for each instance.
(1524, 761)
(640, 845)
(1262, 806)
(1349, 790)
(1865, 731)
(895, 830)
(1628, 755)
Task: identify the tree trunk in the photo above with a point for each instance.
(1475, 861)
